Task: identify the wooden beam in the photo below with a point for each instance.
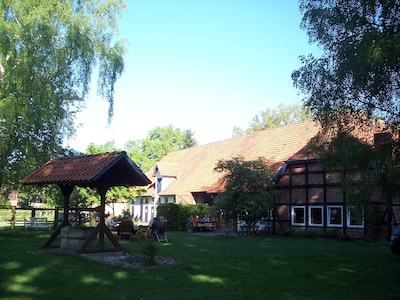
(102, 227)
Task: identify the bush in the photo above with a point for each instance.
(177, 214)
(150, 250)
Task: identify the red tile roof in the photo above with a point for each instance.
(197, 164)
(105, 170)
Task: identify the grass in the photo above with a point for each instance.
(212, 267)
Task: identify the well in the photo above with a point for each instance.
(72, 238)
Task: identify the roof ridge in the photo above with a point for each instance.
(88, 155)
(263, 131)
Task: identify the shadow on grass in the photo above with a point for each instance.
(211, 267)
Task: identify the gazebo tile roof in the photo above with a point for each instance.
(87, 170)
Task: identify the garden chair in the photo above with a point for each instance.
(125, 230)
(160, 232)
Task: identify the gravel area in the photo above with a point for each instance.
(128, 260)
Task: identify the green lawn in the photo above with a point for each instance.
(212, 267)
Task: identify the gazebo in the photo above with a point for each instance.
(99, 171)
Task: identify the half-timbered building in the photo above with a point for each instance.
(309, 198)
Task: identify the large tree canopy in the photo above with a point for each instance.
(159, 142)
(356, 78)
(48, 51)
(359, 69)
(272, 118)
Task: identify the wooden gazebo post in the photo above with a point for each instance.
(102, 192)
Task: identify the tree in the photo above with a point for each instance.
(48, 52)
(248, 192)
(272, 118)
(159, 142)
(357, 76)
(105, 148)
(359, 68)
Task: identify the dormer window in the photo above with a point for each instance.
(159, 185)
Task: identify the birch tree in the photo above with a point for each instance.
(49, 50)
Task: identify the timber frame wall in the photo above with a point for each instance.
(308, 199)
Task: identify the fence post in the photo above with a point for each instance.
(12, 220)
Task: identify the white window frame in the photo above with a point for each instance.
(310, 220)
(328, 215)
(293, 216)
(349, 225)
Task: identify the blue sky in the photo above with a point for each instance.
(203, 65)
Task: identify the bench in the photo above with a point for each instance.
(202, 226)
(36, 223)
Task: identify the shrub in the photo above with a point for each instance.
(177, 214)
(149, 251)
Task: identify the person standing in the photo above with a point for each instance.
(189, 224)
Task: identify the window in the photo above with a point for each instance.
(315, 216)
(355, 219)
(159, 184)
(335, 216)
(298, 215)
